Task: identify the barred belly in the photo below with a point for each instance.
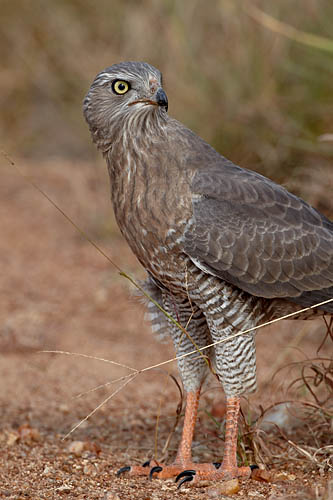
(211, 311)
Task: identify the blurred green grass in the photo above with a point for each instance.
(260, 98)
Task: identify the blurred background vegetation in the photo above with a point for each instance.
(262, 99)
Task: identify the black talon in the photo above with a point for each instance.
(187, 475)
(146, 463)
(253, 467)
(157, 468)
(217, 465)
(123, 469)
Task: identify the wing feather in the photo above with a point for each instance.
(255, 234)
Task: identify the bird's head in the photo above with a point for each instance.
(125, 95)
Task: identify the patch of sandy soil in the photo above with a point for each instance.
(59, 293)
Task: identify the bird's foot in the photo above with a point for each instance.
(153, 469)
(218, 473)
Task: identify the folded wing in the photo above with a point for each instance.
(256, 235)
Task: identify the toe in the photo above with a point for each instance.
(186, 476)
(154, 470)
(127, 468)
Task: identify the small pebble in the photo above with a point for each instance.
(89, 470)
(47, 471)
(225, 488)
(28, 434)
(111, 496)
(12, 438)
(64, 489)
(262, 475)
(76, 447)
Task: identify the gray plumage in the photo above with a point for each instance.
(258, 236)
(224, 247)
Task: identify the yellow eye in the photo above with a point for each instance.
(120, 87)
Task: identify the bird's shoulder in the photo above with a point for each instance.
(217, 178)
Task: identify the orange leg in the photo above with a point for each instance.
(183, 459)
(184, 454)
(183, 467)
(228, 468)
(229, 464)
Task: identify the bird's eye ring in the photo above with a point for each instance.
(120, 87)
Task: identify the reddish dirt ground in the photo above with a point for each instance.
(59, 293)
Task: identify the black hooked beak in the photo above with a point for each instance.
(161, 99)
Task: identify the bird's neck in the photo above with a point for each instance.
(132, 140)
